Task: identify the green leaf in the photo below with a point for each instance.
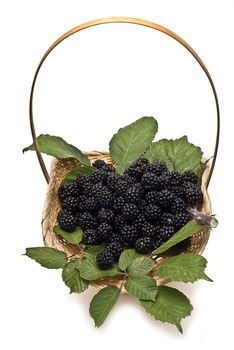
(71, 277)
(47, 257)
(141, 265)
(142, 287)
(186, 267)
(81, 170)
(74, 237)
(94, 250)
(126, 257)
(131, 142)
(170, 306)
(90, 271)
(102, 303)
(55, 146)
(186, 231)
(179, 155)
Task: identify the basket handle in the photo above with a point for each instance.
(132, 21)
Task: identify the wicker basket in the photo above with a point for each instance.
(60, 167)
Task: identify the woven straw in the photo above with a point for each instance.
(52, 206)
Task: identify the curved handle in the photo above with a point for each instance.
(132, 21)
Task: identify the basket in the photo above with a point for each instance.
(60, 167)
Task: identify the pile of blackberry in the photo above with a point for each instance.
(140, 209)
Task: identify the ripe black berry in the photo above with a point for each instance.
(105, 198)
(190, 176)
(158, 168)
(129, 234)
(99, 163)
(118, 204)
(167, 219)
(91, 204)
(177, 206)
(166, 232)
(140, 221)
(152, 212)
(105, 215)
(115, 248)
(104, 231)
(149, 181)
(165, 198)
(87, 221)
(67, 190)
(175, 178)
(133, 194)
(70, 204)
(121, 187)
(193, 196)
(180, 219)
(105, 259)
(151, 197)
(118, 222)
(143, 245)
(91, 237)
(66, 221)
(130, 211)
(149, 230)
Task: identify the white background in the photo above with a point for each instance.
(94, 83)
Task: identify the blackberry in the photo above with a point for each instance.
(77, 217)
(149, 230)
(152, 212)
(178, 191)
(70, 204)
(158, 168)
(66, 221)
(121, 187)
(104, 231)
(165, 198)
(81, 203)
(163, 182)
(105, 198)
(141, 162)
(140, 221)
(180, 219)
(151, 197)
(129, 179)
(97, 176)
(118, 204)
(129, 234)
(111, 180)
(87, 221)
(143, 245)
(149, 181)
(178, 205)
(166, 232)
(115, 248)
(190, 176)
(118, 223)
(133, 194)
(175, 178)
(99, 163)
(105, 215)
(137, 168)
(167, 219)
(157, 242)
(105, 259)
(193, 197)
(90, 237)
(82, 181)
(67, 190)
(91, 204)
(115, 237)
(130, 211)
